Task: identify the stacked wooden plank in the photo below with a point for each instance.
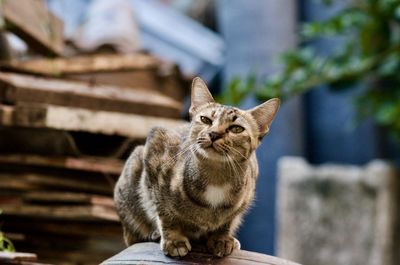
(139, 71)
(34, 23)
(60, 206)
(18, 258)
(66, 126)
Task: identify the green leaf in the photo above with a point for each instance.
(397, 12)
(390, 65)
(387, 113)
(6, 244)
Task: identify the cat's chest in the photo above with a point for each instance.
(216, 195)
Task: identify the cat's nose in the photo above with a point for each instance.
(215, 136)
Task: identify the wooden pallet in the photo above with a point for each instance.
(18, 88)
(140, 71)
(89, 164)
(78, 119)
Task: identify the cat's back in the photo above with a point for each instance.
(163, 148)
(150, 163)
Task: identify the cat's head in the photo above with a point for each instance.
(222, 132)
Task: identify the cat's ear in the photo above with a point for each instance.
(264, 114)
(200, 94)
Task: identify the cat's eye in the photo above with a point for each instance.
(236, 128)
(205, 120)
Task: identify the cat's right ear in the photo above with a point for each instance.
(200, 95)
(264, 114)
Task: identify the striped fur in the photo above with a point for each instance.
(194, 184)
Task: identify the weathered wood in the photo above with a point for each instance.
(168, 82)
(5, 50)
(35, 24)
(76, 119)
(24, 88)
(84, 64)
(63, 143)
(72, 250)
(150, 254)
(6, 114)
(60, 197)
(83, 213)
(13, 262)
(138, 70)
(39, 182)
(8, 182)
(14, 236)
(57, 143)
(17, 256)
(72, 256)
(90, 164)
(62, 227)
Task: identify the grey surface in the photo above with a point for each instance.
(335, 214)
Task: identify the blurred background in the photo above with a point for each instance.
(82, 82)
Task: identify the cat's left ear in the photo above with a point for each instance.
(200, 95)
(264, 114)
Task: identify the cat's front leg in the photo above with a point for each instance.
(173, 242)
(221, 243)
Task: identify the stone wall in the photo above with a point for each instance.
(337, 215)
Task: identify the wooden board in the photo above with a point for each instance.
(35, 24)
(63, 143)
(168, 82)
(77, 119)
(62, 227)
(17, 256)
(72, 256)
(26, 182)
(70, 249)
(62, 197)
(9, 183)
(81, 213)
(24, 88)
(90, 164)
(150, 254)
(139, 71)
(85, 64)
(6, 114)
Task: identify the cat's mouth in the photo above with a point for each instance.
(215, 148)
(212, 147)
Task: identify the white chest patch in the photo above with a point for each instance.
(215, 195)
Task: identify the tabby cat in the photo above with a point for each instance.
(194, 184)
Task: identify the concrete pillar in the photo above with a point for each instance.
(336, 214)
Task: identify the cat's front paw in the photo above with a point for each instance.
(176, 247)
(221, 245)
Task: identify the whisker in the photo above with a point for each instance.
(236, 163)
(176, 156)
(236, 151)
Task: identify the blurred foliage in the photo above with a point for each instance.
(368, 54)
(5, 243)
(238, 89)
